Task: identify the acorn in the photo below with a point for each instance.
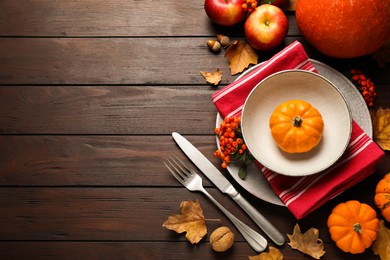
(223, 39)
(215, 46)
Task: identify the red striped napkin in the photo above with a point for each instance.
(302, 195)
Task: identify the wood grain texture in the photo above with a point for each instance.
(90, 161)
(125, 61)
(115, 18)
(126, 110)
(118, 161)
(90, 91)
(112, 213)
(143, 251)
(121, 250)
(106, 110)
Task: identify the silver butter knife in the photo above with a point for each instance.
(216, 177)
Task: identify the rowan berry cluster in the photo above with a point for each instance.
(231, 144)
(249, 5)
(365, 86)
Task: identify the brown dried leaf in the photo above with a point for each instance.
(273, 254)
(240, 54)
(382, 56)
(381, 127)
(191, 220)
(307, 243)
(289, 5)
(212, 77)
(381, 245)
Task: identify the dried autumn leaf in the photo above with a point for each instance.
(273, 254)
(240, 55)
(382, 56)
(381, 127)
(381, 245)
(191, 220)
(307, 243)
(212, 77)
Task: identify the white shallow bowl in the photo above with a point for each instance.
(288, 85)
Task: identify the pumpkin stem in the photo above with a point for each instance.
(357, 228)
(297, 121)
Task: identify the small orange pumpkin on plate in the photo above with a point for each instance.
(296, 126)
(353, 226)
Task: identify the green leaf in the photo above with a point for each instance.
(242, 171)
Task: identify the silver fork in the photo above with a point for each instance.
(193, 182)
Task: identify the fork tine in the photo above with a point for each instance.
(180, 164)
(174, 172)
(177, 168)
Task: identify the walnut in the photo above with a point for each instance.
(221, 239)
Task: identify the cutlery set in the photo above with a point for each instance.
(193, 182)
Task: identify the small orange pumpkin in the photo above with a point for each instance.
(353, 226)
(382, 196)
(296, 126)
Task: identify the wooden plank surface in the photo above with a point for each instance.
(127, 61)
(118, 161)
(142, 251)
(127, 213)
(115, 18)
(106, 110)
(90, 161)
(125, 110)
(90, 92)
(146, 61)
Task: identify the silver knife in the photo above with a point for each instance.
(216, 177)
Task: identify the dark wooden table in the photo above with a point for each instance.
(90, 93)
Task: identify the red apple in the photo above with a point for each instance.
(225, 12)
(266, 27)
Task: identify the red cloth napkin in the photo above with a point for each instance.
(302, 195)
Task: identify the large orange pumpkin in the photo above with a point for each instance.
(344, 28)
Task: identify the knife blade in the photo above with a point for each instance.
(217, 178)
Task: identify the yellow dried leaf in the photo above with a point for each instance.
(273, 254)
(381, 245)
(307, 243)
(240, 55)
(212, 77)
(191, 220)
(381, 127)
(382, 56)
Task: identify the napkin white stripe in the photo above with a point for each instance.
(305, 65)
(301, 184)
(311, 183)
(270, 174)
(236, 111)
(287, 202)
(225, 91)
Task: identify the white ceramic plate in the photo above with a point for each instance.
(255, 182)
(288, 85)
